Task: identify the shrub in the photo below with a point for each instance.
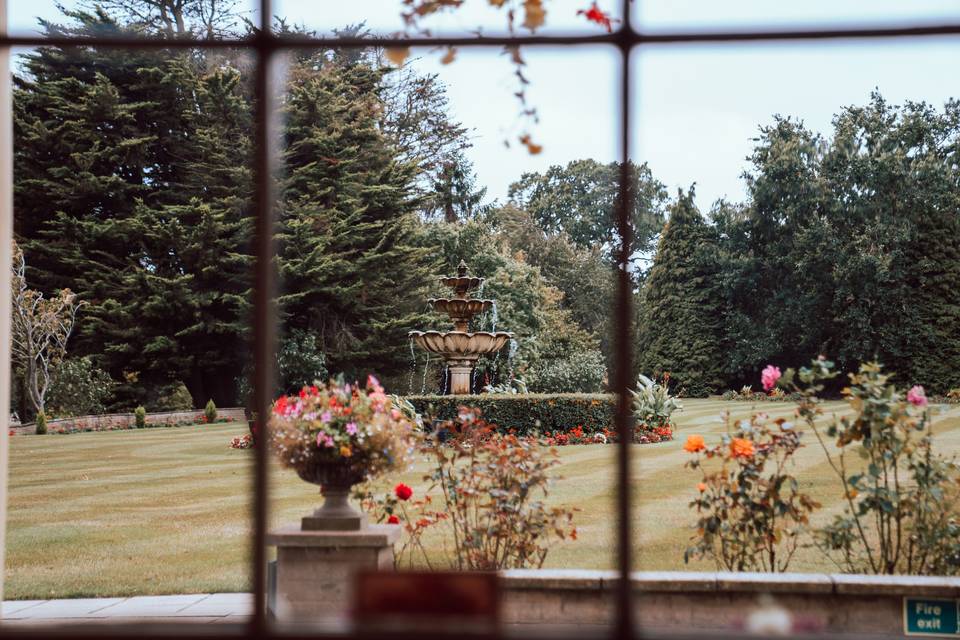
(492, 489)
(41, 423)
(527, 414)
(652, 407)
(579, 372)
(300, 361)
(175, 397)
(140, 417)
(902, 506)
(79, 388)
(750, 508)
(210, 411)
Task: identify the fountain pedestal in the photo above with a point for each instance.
(460, 378)
(460, 348)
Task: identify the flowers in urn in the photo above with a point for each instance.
(341, 425)
(339, 435)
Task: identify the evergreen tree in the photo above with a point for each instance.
(682, 316)
(351, 271)
(132, 189)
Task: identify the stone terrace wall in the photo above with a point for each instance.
(127, 420)
(714, 603)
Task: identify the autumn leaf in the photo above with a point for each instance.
(531, 146)
(449, 56)
(397, 55)
(598, 16)
(515, 56)
(534, 14)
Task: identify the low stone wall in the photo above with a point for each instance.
(719, 602)
(128, 420)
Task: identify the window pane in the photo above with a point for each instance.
(670, 15)
(808, 202)
(384, 17)
(126, 18)
(133, 210)
(390, 180)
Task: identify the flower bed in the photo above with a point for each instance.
(88, 428)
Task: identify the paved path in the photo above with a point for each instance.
(202, 607)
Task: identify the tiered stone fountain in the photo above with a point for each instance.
(461, 348)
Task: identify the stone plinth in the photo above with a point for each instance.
(315, 569)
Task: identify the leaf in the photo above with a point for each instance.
(531, 146)
(397, 55)
(449, 56)
(534, 14)
(515, 56)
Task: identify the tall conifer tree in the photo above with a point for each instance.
(682, 304)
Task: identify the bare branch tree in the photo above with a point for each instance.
(41, 328)
(209, 19)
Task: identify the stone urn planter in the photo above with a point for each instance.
(334, 436)
(336, 481)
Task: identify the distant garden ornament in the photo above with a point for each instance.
(461, 348)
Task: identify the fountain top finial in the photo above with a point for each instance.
(462, 269)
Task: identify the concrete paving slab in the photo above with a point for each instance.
(152, 605)
(12, 607)
(76, 608)
(203, 607)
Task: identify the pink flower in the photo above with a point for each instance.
(917, 396)
(325, 417)
(324, 440)
(352, 428)
(769, 377)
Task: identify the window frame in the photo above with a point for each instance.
(266, 46)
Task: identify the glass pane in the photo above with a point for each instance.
(415, 247)
(385, 17)
(805, 217)
(670, 15)
(201, 18)
(133, 214)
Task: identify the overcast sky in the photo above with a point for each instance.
(696, 108)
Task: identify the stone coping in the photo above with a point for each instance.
(374, 535)
(683, 581)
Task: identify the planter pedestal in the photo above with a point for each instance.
(315, 569)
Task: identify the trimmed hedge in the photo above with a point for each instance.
(526, 413)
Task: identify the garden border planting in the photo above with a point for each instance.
(121, 421)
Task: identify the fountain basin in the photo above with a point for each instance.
(461, 283)
(460, 310)
(460, 349)
(460, 345)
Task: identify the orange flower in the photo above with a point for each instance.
(702, 487)
(345, 451)
(741, 448)
(694, 444)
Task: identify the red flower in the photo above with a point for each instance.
(403, 491)
(393, 520)
(598, 16)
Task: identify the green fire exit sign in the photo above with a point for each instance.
(930, 617)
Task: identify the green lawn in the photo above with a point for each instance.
(167, 510)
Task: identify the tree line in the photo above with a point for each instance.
(133, 190)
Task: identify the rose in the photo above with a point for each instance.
(694, 444)
(393, 519)
(741, 448)
(917, 396)
(769, 377)
(403, 492)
